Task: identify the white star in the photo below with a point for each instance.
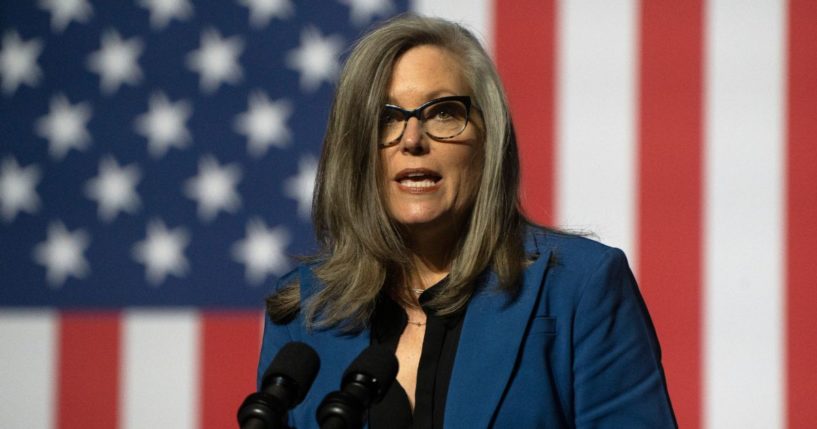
(62, 254)
(316, 59)
(264, 123)
(216, 60)
(163, 124)
(261, 251)
(17, 189)
(18, 62)
(214, 188)
(114, 189)
(362, 11)
(162, 11)
(261, 11)
(64, 11)
(162, 252)
(64, 126)
(115, 62)
(300, 187)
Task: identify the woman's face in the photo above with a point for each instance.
(430, 184)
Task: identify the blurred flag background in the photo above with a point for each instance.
(157, 159)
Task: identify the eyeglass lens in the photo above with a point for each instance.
(441, 120)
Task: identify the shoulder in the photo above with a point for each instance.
(287, 279)
(571, 251)
(579, 268)
(301, 276)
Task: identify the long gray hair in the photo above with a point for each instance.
(362, 250)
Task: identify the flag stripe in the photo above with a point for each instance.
(27, 368)
(528, 75)
(160, 364)
(743, 219)
(230, 349)
(669, 178)
(595, 128)
(683, 132)
(88, 376)
(802, 214)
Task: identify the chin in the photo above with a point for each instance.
(418, 222)
(410, 214)
(426, 221)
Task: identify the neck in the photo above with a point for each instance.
(432, 252)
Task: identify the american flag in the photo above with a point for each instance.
(157, 159)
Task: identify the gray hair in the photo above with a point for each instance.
(362, 250)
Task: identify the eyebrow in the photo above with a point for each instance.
(428, 96)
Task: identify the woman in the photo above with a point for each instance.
(494, 322)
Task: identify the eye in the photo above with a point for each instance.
(446, 111)
(390, 116)
(443, 115)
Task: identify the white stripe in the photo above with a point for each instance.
(596, 98)
(476, 15)
(28, 348)
(743, 214)
(160, 369)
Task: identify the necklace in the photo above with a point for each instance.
(415, 323)
(418, 291)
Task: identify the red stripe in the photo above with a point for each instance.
(801, 217)
(230, 346)
(670, 181)
(525, 39)
(88, 384)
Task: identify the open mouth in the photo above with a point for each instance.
(418, 178)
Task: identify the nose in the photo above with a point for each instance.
(414, 139)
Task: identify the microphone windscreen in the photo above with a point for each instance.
(377, 362)
(297, 361)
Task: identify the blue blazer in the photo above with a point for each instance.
(575, 349)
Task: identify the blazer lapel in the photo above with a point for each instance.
(335, 349)
(492, 334)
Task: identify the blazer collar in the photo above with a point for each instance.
(492, 334)
(336, 351)
(491, 338)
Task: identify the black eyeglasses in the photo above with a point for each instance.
(442, 118)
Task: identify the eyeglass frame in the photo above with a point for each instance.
(408, 114)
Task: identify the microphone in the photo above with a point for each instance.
(283, 386)
(365, 382)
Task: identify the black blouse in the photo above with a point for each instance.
(434, 372)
